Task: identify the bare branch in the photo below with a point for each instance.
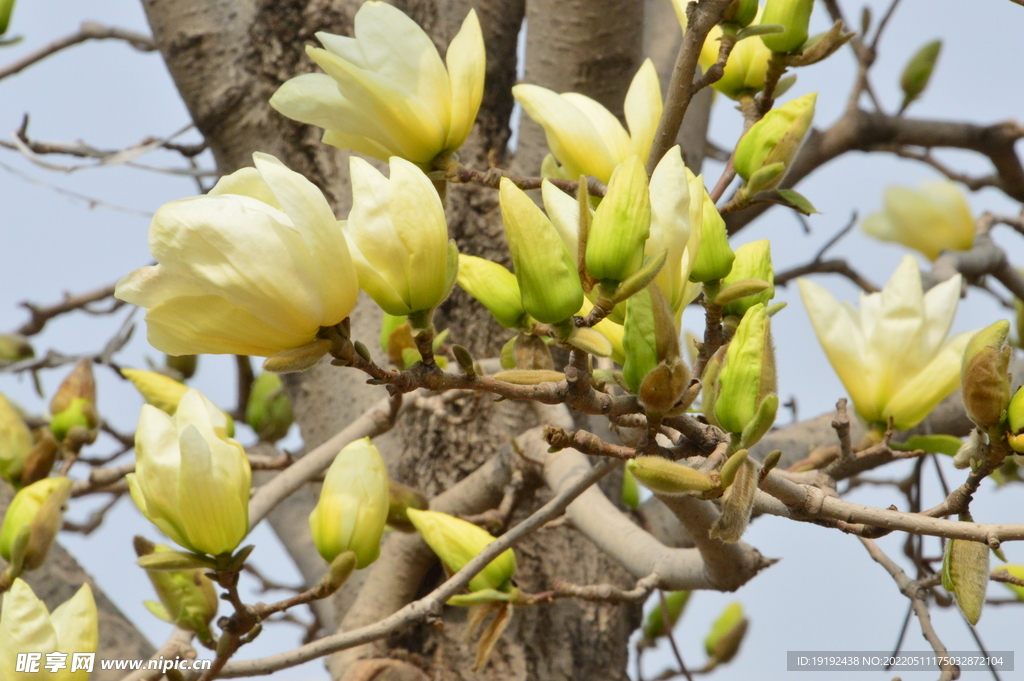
(89, 30)
(42, 314)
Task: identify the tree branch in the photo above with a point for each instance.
(89, 30)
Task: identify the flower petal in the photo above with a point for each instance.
(211, 515)
(643, 109)
(564, 213)
(75, 623)
(467, 64)
(246, 182)
(936, 381)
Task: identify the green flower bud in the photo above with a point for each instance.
(456, 542)
(792, 15)
(494, 287)
(748, 376)
(776, 138)
(80, 413)
(389, 324)
(918, 72)
(662, 476)
(32, 521)
(965, 575)
(269, 411)
(726, 635)
(6, 9)
(529, 376)
(712, 370)
(548, 279)
(188, 598)
(1015, 412)
(622, 223)
(400, 499)
(353, 506)
(80, 383)
(753, 263)
(630, 490)
(715, 256)
(638, 340)
(740, 12)
(737, 502)
(984, 375)
(15, 442)
(163, 392)
(654, 625)
(185, 365)
(14, 348)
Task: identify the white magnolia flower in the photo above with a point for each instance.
(585, 137)
(255, 267)
(386, 91)
(893, 354)
(933, 218)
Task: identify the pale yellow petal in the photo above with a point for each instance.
(643, 109)
(75, 623)
(467, 63)
(246, 182)
(211, 516)
(564, 212)
(24, 627)
(931, 385)
(611, 131)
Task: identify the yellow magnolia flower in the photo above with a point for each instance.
(933, 218)
(191, 481)
(586, 138)
(893, 354)
(747, 64)
(398, 237)
(456, 542)
(386, 92)
(15, 442)
(254, 268)
(353, 506)
(26, 626)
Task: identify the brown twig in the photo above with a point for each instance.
(42, 314)
(89, 30)
(835, 266)
(492, 178)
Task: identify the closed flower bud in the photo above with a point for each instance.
(726, 635)
(747, 65)
(398, 237)
(662, 476)
(494, 287)
(753, 263)
(714, 254)
(185, 365)
(639, 342)
(269, 411)
(190, 480)
(456, 542)
(26, 626)
(14, 348)
(965, 575)
(386, 91)
(79, 384)
(654, 625)
(918, 72)
(792, 15)
(740, 12)
(353, 506)
(400, 499)
(1015, 412)
(676, 215)
(776, 138)
(630, 493)
(255, 267)
(748, 375)
(622, 223)
(737, 503)
(984, 375)
(188, 598)
(932, 218)
(548, 280)
(586, 138)
(32, 521)
(15, 442)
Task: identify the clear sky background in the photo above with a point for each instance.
(826, 593)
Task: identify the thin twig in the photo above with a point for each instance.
(89, 30)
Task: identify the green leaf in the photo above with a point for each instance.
(937, 444)
(759, 29)
(797, 201)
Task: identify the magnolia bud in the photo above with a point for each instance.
(74, 403)
(726, 635)
(740, 12)
(32, 521)
(715, 256)
(494, 287)
(792, 15)
(529, 376)
(353, 506)
(188, 598)
(531, 352)
(753, 264)
(14, 348)
(163, 392)
(548, 280)
(456, 542)
(776, 138)
(918, 72)
(638, 340)
(984, 375)
(748, 376)
(711, 386)
(630, 494)
(269, 411)
(654, 625)
(965, 575)
(622, 223)
(79, 414)
(737, 502)
(662, 476)
(15, 442)
(184, 365)
(1015, 420)
(400, 499)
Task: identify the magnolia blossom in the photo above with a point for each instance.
(893, 354)
(398, 238)
(585, 137)
(386, 92)
(933, 218)
(26, 626)
(256, 267)
(190, 479)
